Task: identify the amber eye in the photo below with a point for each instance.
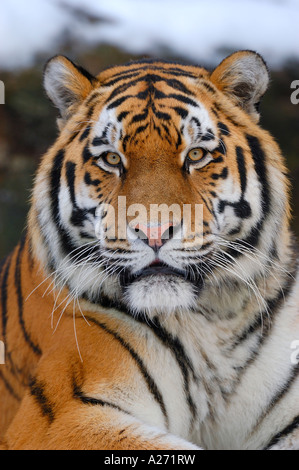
(195, 155)
(112, 159)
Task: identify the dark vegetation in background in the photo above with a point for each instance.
(28, 128)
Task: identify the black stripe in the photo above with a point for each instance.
(122, 116)
(140, 117)
(125, 141)
(37, 390)
(160, 114)
(166, 130)
(224, 130)
(55, 176)
(78, 394)
(259, 159)
(288, 430)
(95, 95)
(183, 99)
(209, 207)
(208, 136)
(85, 134)
(181, 112)
(198, 126)
(179, 138)
(175, 71)
(73, 137)
(217, 160)
(90, 111)
(2, 264)
(96, 401)
(86, 154)
(241, 168)
(149, 78)
(141, 129)
(223, 175)
(158, 129)
(89, 181)
(99, 141)
(153, 64)
(152, 386)
(55, 183)
(119, 101)
(4, 298)
(176, 347)
(208, 86)
(178, 85)
(221, 149)
(18, 284)
(149, 93)
(14, 370)
(79, 215)
(121, 89)
(70, 176)
(119, 77)
(243, 208)
(243, 211)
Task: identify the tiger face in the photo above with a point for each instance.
(158, 183)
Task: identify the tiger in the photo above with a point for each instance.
(124, 331)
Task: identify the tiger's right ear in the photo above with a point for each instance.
(244, 78)
(67, 84)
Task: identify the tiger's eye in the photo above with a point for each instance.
(196, 154)
(113, 159)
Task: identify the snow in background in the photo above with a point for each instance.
(200, 30)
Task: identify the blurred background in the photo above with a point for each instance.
(100, 33)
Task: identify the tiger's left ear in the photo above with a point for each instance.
(67, 85)
(243, 77)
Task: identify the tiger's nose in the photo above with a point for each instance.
(154, 236)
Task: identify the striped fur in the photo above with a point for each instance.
(124, 344)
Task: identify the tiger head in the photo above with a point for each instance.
(161, 189)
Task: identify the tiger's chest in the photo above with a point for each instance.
(223, 390)
(243, 385)
(216, 383)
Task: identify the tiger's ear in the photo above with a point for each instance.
(67, 84)
(244, 77)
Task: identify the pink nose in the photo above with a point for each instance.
(155, 235)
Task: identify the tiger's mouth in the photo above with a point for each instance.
(158, 269)
(155, 270)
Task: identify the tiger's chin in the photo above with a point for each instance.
(160, 295)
